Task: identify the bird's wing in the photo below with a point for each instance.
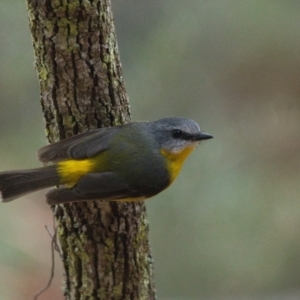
(83, 145)
(95, 186)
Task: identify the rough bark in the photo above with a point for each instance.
(106, 253)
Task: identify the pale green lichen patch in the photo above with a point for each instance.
(43, 73)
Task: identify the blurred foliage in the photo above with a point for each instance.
(229, 227)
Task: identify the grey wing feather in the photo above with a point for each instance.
(59, 151)
(99, 183)
(92, 145)
(80, 146)
(93, 186)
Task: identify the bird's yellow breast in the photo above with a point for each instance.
(175, 160)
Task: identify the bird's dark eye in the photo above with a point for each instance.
(177, 133)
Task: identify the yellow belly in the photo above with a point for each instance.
(175, 160)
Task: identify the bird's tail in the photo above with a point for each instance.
(14, 184)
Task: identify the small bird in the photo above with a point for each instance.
(129, 162)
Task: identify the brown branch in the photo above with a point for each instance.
(105, 247)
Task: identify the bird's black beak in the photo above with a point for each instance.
(203, 136)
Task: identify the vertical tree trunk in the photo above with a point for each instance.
(106, 253)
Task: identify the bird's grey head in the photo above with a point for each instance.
(175, 134)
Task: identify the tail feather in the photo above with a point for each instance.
(14, 184)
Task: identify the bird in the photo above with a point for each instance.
(130, 162)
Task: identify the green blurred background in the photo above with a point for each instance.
(229, 228)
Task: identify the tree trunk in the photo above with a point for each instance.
(105, 246)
